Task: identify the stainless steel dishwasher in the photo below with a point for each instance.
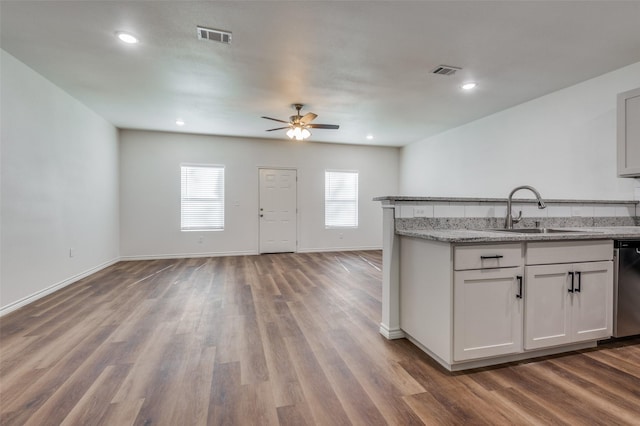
(626, 314)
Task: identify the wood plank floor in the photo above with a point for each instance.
(287, 339)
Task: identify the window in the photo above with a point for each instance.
(340, 199)
(202, 198)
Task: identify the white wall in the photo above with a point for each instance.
(59, 185)
(564, 144)
(150, 192)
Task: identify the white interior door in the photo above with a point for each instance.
(278, 210)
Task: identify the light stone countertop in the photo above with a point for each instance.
(487, 236)
(497, 200)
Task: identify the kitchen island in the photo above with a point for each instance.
(475, 297)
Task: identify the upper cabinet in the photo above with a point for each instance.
(629, 133)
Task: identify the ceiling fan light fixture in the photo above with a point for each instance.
(298, 127)
(298, 133)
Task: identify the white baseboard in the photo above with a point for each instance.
(321, 250)
(187, 255)
(391, 334)
(52, 288)
(236, 253)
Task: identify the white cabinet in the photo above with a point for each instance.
(473, 305)
(629, 133)
(484, 256)
(488, 283)
(567, 303)
(548, 315)
(592, 301)
(487, 312)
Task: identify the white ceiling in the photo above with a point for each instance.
(364, 65)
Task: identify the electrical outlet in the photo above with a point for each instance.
(340, 235)
(200, 239)
(419, 212)
(406, 211)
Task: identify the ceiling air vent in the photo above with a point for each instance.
(214, 35)
(445, 70)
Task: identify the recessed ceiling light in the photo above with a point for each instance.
(180, 122)
(127, 38)
(369, 137)
(469, 85)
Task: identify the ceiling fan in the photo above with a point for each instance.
(299, 125)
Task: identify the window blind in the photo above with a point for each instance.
(202, 197)
(340, 199)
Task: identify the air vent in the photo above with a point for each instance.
(214, 35)
(445, 70)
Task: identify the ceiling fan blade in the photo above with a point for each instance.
(308, 118)
(324, 126)
(275, 119)
(277, 128)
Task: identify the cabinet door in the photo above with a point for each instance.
(629, 133)
(592, 301)
(487, 313)
(547, 301)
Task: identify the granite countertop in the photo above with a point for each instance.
(488, 236)
(498, 200)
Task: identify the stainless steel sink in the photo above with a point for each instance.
(538, 231)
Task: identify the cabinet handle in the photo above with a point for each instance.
(579, 275)
(572, 284)
(519, 294)
(495, 256)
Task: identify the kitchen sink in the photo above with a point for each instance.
(538, 230)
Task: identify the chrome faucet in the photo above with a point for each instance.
(510, 220)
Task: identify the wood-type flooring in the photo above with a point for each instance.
(288, 339)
